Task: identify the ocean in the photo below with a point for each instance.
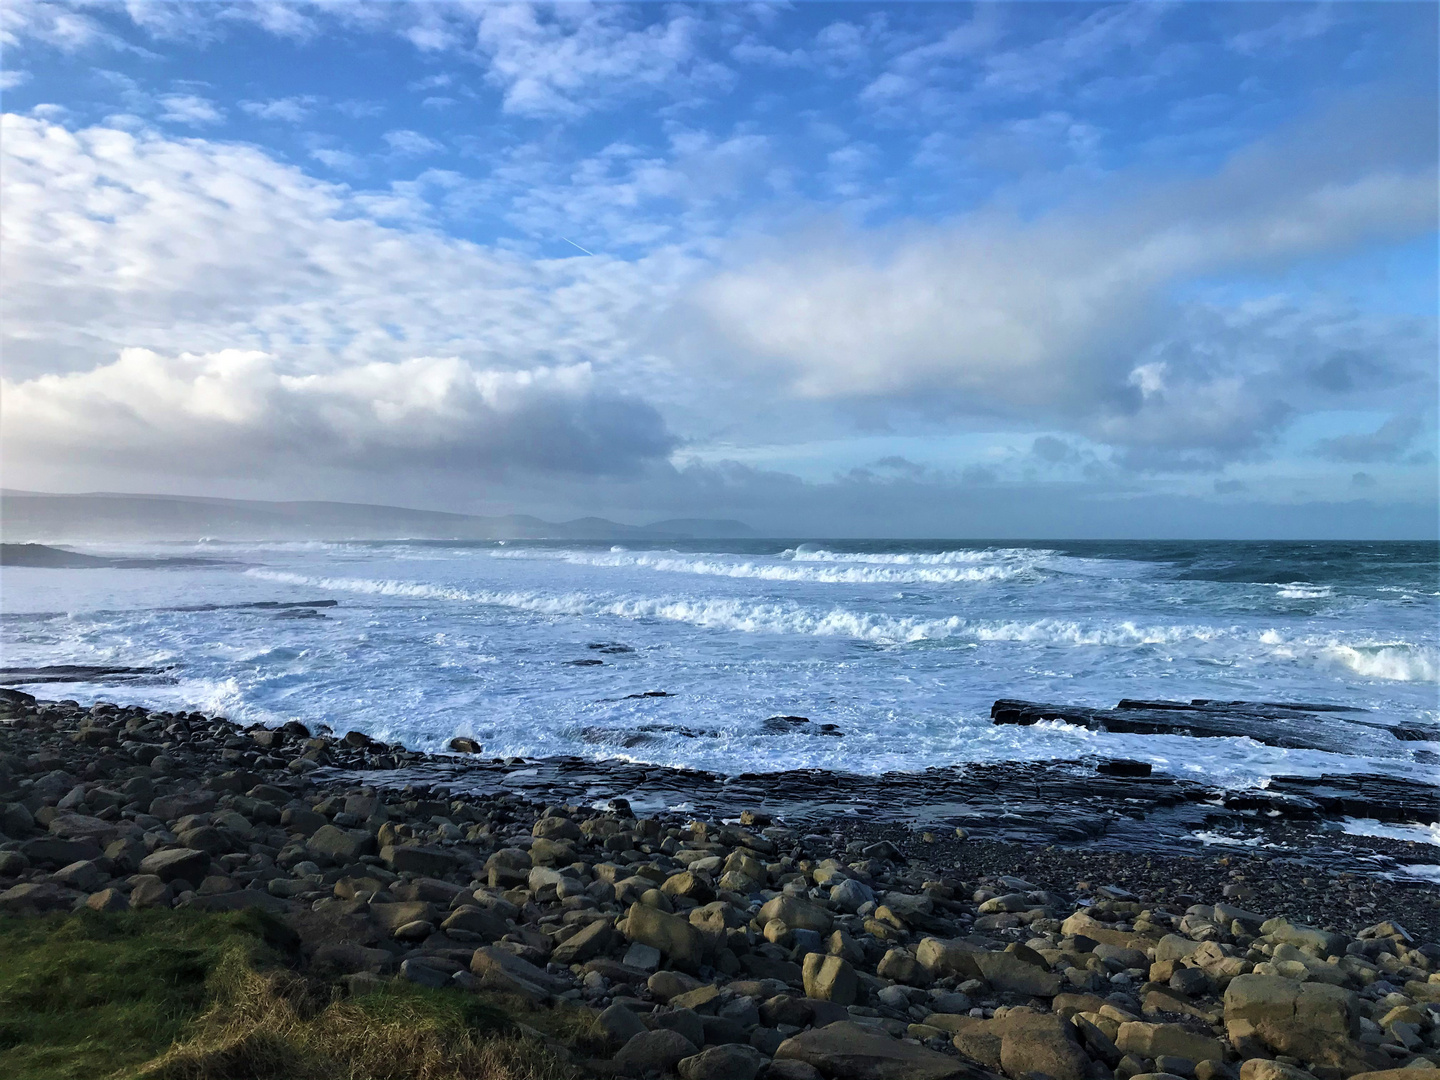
(892, 651)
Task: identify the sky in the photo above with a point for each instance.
(946, 270)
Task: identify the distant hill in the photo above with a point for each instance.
(35, 516)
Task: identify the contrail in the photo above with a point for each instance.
(575, 245)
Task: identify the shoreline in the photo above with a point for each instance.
(738, 932)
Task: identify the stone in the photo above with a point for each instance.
(1319, 942)
(859, 1052)
(1174, 947)
(1008, 973)
(642, 957)
(620, 1025)
(416, 931)
(148, 890)
(1153, 1040)
(462, 745)
(792, 1070)
(829, 978)
(501, 970)
(689, 884)
(1036, 1042)
(1262, 1069)
(730, 1061)
(85, 876)
(899, 966)
(48, 851)
(975, 1038)
(1314, 1022)
(172, 864)
(797, 914)
(671, 984)
(487, 925)
(849, 895)
(586, 945)
(33, 898)
(945, 958)
(658, 1051)
(391, 916)
(342, 846)
(423, 975)
(545, 852)
(108, 900)
(673, 936)
(686, 1021)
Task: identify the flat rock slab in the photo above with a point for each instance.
(851, 1051)
(1293, 727)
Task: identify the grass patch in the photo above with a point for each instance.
(175, 995)
(92, 995)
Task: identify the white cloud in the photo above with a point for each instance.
(57, 25)
(412, 143)
(292, 110)
(10, 79)
(570, 59)
(117, 240)
(189, 109)
(238, 412)
(1064, 315)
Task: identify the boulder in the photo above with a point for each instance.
(658, 1051)
(1036, 1042)
(1263, 1069)
(850, 1051)
(589, 943)
(417, 859)
(977, 1039)
(500, 970)
(730, 1061)
(899, 966)
(1008, 973)
(620, 1025)
(1153, 1040)
(390, 917)
(673, 936)
(474, 920)
(797, 914)
(342, 846)
(943, 958)
(108, 900)
(829, 978)
(1314, 1022)
(172, 864)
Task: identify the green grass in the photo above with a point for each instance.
(94, 995)
(177, 995)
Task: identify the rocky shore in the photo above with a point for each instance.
(728, 946)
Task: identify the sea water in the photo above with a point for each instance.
(893, 651)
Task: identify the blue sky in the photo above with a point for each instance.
(923, 269)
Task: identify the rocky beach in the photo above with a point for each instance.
(759, 931)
